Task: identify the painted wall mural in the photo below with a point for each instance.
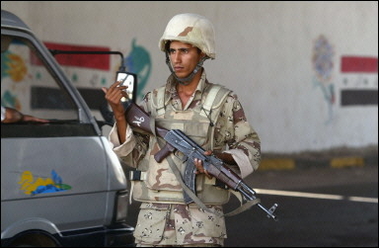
(24, 71)
(139, 61)
(359, 75)
(14, 67)
(323, 55)
(359, 80)
(96, 66)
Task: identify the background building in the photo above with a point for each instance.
(305, 72)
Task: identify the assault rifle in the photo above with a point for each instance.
(177, 140)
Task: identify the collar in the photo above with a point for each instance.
(172, 82)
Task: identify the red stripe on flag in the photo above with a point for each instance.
(94, 61)
(359, 64)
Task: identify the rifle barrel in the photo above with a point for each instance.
(249, 193)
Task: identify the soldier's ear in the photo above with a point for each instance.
(202, 55)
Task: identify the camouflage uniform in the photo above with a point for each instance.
(164, 219)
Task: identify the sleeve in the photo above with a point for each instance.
(135, 146)
(244, 142)
(126, 148)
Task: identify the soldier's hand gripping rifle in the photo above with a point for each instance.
(177, 140)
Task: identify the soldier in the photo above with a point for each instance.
(208, 113)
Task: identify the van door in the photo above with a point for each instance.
(57, 177)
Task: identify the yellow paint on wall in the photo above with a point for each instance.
(277, 164)
(346, 162)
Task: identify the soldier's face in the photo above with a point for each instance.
(184, 58)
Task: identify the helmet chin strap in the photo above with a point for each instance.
(186, 80)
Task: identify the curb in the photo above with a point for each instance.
(302, 163)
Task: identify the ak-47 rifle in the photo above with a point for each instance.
(177, 140)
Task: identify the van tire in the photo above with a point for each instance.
(34, 240)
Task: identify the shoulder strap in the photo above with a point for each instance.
(215, 97)
(158, 102)
(212, 106)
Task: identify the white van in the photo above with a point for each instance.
(61, 184)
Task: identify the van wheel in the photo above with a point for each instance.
(34, 240)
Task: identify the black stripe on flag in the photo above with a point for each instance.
(359, 97)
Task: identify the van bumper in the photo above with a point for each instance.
(120, 235)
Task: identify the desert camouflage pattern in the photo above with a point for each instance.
(164, 219)
(206, 191)
(177, 224)
(192, 29)
(161, 185)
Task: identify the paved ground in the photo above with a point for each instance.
(335, 158)
(340, 211)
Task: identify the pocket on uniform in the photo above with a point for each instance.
(206, 224)
(161, 177)
(151, 222)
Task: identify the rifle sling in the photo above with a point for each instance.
(152, 126)
(196, 199)
(243, 207)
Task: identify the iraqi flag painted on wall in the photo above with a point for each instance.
(360, 80)
(94, 61)
(92, 95)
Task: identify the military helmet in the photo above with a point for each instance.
(193, 29)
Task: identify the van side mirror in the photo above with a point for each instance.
(128, 79)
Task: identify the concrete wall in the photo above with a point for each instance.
(305, 72)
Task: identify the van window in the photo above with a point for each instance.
(27, 84)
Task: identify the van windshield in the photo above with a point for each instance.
(29, 86)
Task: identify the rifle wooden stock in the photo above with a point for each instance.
(138, 118)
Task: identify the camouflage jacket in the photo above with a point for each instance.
(230, 133)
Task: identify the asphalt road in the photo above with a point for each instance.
(328, 217)
(341, 209)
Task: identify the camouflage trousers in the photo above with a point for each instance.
(179, 225)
